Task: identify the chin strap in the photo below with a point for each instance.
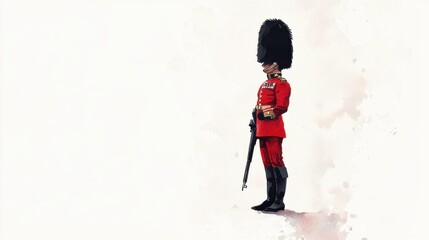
(273, 68)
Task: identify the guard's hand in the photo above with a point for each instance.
(261, 116)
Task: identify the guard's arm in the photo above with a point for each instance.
(283, 91)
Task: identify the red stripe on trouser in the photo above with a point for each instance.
(271, 151)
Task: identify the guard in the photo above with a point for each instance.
(275, 53)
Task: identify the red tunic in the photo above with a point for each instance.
(274, 92)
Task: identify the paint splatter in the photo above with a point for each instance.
(317, 225)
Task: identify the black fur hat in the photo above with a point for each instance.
(275, 43)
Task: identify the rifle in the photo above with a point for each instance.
(252, 143)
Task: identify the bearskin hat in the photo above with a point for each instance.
(275, 43)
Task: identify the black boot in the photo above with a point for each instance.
(281, 179)
(271, 190)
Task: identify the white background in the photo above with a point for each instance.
(128, 120)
